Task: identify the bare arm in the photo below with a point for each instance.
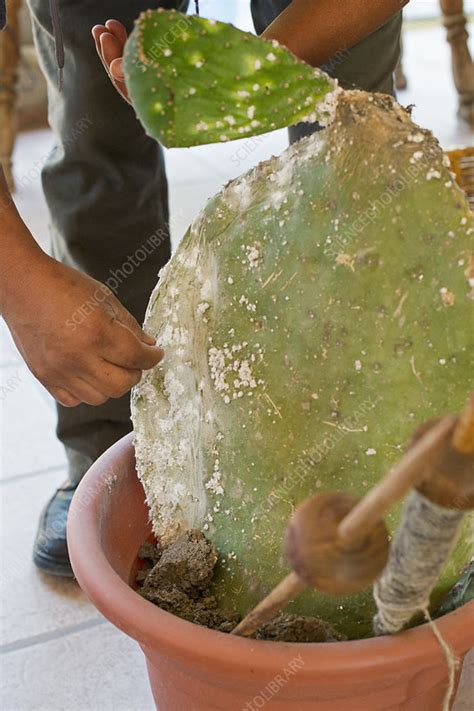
(73, 333)
(315, 31)
(18, 248)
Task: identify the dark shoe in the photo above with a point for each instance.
(50, 548)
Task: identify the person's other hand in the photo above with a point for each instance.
(76, 337)
(110, 41)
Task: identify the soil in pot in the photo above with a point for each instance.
(177, 579)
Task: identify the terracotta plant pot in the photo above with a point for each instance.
(197, 669)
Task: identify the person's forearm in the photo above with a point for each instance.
(316, 31)
(18, 249)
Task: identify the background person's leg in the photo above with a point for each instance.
(106, 190)
(369, 65)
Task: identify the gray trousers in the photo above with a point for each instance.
(105, 182)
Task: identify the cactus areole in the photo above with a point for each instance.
(317, 310)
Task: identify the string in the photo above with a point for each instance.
(422, 545)
(451, 660)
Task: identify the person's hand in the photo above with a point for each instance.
(75, 336)
(109, 41)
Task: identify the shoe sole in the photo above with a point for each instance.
(51, 566)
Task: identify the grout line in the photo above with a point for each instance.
(50, 636)
(37, 472)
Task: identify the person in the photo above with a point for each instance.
(75, 316)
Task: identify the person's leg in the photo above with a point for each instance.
(370, 65)
(106, 190)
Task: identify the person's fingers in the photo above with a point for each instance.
(111, 380)
(146, 338)
(126, 318)
(116, 70)
(127, 351)
(111, 52)
(97, 31)
(85, 392)
(118, 77)
(128, 321)
(117, 29)
(110, 47)
(64, 397)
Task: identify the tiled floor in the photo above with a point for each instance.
(58, 653)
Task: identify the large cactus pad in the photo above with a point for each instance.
(194, 81)
(316, 312)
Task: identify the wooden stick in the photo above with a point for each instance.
(398, 482)
(463, 437)
(284, 592)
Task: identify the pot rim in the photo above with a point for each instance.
(148, 624)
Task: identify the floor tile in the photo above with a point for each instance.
(27, 424)
(99, 669)
(32, 603)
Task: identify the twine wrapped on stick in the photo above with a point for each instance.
(429, 528)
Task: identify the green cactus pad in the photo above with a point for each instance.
(460, 594)
(194, 81)
(318, 310)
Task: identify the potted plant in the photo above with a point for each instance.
(315, 312)
(196, 668)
